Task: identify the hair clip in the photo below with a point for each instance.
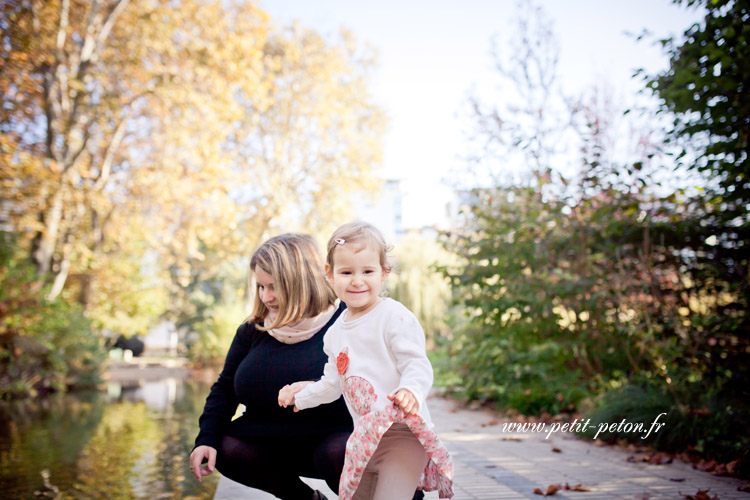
(340, 241)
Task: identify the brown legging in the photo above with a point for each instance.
(395, 468)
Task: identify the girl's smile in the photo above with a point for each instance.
(357, 278)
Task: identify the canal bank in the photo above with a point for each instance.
(147, 368)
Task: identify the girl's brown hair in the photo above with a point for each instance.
(363, 234)
(296, 265)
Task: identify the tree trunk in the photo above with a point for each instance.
(60, 278)
(84, 296)
(45, 250)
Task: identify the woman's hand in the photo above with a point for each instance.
(287, 393)
(196, 460)
(405, 400)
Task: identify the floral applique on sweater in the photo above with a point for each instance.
(369, 430)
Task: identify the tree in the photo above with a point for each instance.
(528, 130)
(44, 346)
(608, 285)
(159, 138)
(706, 88)
(304, 136)
(416, 283)
(311, 134)
(82, 91)
(54, 103)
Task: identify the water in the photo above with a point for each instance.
(129, 442)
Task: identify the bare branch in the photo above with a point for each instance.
(106, 166)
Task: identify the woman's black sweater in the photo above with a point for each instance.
(256, 368)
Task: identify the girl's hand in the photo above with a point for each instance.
(196, 460)
(287, 393)
(405, 400)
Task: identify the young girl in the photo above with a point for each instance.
(376, 358)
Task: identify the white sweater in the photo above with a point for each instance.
(386, 347)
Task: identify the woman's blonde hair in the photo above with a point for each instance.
(296, 265)
(362, 234)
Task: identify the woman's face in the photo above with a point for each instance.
(266, 290)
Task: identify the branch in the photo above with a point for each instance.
(94, 42)
(62, 31)
(110, 20)
(106, 167)
(71, 154)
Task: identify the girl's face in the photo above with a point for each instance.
(357, 278)
(266, 291)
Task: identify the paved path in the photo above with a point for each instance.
(493, 465)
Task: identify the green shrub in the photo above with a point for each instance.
(45, 346)
(214, 335)
(709, 423)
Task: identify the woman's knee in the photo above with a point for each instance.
(331, 450)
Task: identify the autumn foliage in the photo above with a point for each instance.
(148, 146)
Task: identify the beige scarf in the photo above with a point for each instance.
(302, 330)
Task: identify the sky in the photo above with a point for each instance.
(431, 53)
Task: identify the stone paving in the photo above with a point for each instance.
(494, 465)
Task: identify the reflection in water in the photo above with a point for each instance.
(158, 395)
(131, 441)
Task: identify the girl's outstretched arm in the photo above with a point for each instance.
(287, 393)
(325, 390)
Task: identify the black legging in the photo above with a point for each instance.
(275, 466)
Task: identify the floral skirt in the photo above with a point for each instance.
(369, 429)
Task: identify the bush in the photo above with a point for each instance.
(709, 423)
(45, 346)
(214, 334)
(627, 283)
(418, 285)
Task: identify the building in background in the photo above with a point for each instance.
(162, 340)
(457, 210)
(383, 210)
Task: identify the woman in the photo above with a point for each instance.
(269, 447)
